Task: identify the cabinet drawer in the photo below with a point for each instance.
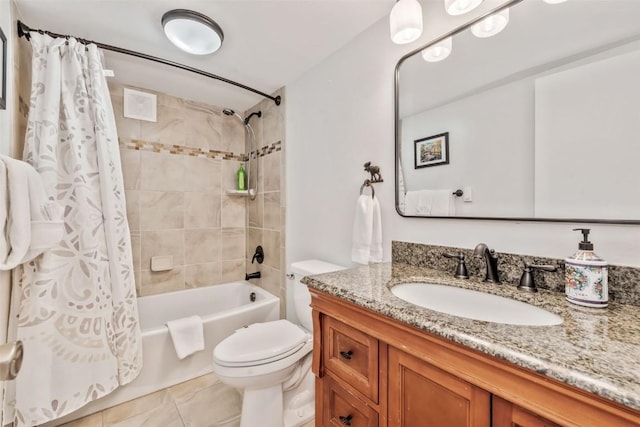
(341, 408)
(352, 356)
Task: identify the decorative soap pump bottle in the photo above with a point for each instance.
(241, 178)
(586, 275)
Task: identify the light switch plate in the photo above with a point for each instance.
(468, 195)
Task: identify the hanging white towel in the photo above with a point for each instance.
(376, 233)
(430, 203)
(367, 231)
(442, 203)
(362, 230)
(30, 223)
(187, 335)
(419, 202)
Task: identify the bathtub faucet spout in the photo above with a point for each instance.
(249, 276)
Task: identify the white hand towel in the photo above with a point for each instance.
(29, 229)
(442, 203)
(5, 245)
(411, 200)
(376, 233)
(187, 335)
(419, 202)
(362, 230)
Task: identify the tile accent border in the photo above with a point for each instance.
(624, 282)
(157, 147)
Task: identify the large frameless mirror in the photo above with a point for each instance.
(538, 122)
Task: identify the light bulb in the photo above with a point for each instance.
(405, 21)
(192, 32)
(438, 51)
(491, 25)
(459, 7)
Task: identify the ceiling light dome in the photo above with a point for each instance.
(438, 51)
(405, 21)
(192, 32)
(459, 7)
(554, 1)
(491, 25)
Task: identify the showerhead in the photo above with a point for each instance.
(252, 141)
(255, 113)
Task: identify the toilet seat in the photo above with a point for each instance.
(260, 343)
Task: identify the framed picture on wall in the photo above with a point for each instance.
(3, 72)
(432, 151)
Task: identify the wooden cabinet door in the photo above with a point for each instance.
(341, 408)
(352, 356)
(421, 395)
(506, 414)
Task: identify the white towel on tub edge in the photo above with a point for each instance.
(187, 335)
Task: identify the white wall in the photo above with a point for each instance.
(490, 150)
(340, 115)
(590, 112)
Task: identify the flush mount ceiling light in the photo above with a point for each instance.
(491, 25)
(405, 21)
(438, 51)
(554, 1)
(192, 32)
(459, 7)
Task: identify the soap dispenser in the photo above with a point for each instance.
(586, 275)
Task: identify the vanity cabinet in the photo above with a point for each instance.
(420, 394)
(506, 414)
(372, 370)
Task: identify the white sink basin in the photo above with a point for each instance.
(474, 305)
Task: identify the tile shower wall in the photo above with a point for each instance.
(176, 171)
(266, 214)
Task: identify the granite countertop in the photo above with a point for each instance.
(596, 350)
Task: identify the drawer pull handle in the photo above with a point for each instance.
(346, 354)
(345, 420)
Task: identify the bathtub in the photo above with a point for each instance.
(223, 309)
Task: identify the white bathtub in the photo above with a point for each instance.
(223, 309)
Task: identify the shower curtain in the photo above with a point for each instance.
(77, 312)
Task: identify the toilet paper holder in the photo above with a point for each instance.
(11, 355)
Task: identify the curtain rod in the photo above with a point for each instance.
(24, 30)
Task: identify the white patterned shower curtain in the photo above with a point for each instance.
(77, 312)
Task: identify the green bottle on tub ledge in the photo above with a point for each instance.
(241, 178)
(586, 275)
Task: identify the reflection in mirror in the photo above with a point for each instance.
(542, 119)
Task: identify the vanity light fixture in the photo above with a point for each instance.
(405, 21)
(438, 51)
(460, 7)
(192, 32)
(491, 25)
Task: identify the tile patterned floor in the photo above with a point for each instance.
(201, 402)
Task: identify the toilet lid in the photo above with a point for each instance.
(260, 343)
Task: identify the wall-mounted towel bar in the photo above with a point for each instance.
(367, 183)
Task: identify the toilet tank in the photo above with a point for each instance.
(301, 296)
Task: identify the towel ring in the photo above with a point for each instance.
(367, 183)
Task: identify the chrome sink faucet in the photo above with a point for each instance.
(491, 261)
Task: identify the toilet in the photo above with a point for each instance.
(271, 362)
